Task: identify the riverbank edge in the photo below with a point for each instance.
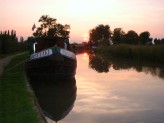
(39, 111)
(35, 105)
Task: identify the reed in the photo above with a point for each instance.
(153, 53)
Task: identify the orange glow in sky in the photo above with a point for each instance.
(84, 15)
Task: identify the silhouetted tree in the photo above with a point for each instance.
(118, 35)
(50, 28)
(100, 35)
(21, 39)
(144, 37)
(131, 37)
(8, 32)
(157, 41)
(9, 42)
(162, 41)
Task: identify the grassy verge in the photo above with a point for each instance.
(16, 102)
(5, 55)
(143, 53)
(2, 56)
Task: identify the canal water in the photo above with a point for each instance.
(108, 92)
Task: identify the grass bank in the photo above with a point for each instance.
(153, 53)
(16, 101)
(2, 56)
(9, 54)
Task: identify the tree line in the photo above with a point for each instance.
(102, 35)
(9, 42)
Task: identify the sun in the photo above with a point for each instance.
(85, 37)
(85, 54)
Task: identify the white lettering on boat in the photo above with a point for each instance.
(41, 54)
(67, 53)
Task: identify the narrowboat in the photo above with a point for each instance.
(50, 58)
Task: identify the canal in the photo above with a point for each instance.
(104, 92)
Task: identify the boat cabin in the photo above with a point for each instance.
(44, 43)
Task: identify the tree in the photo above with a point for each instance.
(118, 35)
(131, 37)
(100, 35)
(50, 28)
(144, 37)
(21, 39)
(162, 41)
(8, 42)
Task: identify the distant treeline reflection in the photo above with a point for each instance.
(102, 64)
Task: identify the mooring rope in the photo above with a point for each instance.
(7, 70)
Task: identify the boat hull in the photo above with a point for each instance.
(56, 98)
(51, 67)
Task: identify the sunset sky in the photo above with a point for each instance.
(83, 15)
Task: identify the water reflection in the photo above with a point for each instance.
(98, 63)
(102, 64)
(56, 98)
(117, 96)
(120, 92)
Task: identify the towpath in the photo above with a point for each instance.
(6, 60)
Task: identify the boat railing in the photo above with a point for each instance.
(34, 47)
